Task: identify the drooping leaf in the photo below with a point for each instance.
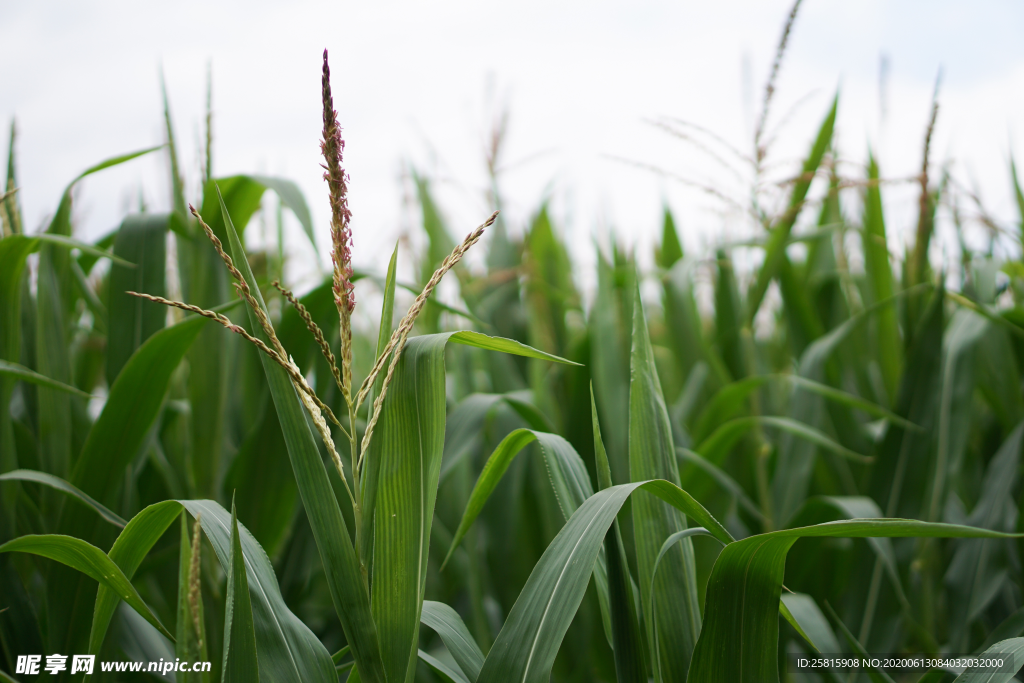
(447, 623)
(28, 375)
(62, 485)
(91, 561)
(452, 674)
(131, 547)
(812, 621)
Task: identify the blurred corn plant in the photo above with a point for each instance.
(875, 413)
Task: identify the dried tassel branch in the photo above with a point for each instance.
(399, 336)
(333, 146)
(297, 379)
(240, 284)
(313, 328)
(325, 434)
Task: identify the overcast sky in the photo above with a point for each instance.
(419, 85)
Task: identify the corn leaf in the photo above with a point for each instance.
(62, 485)
(28, 375)
(141, 240)
(528, 642)
(1012, 648)
(880, 281)
(775, 249)
(813, 625)
(131, 547)
(452, 674)
(410, 443)
(746, 583)
(240, 663)
(447, 623)
(89, 560)
(673, 634)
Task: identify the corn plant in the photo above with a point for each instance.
(356, 486)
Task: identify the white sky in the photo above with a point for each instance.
(420, 83)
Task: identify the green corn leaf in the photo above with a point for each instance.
(569, 477)
(775, 250)
(89, 560)
(240, 663)
(722, 478)
(874, 673)
(447, 623)
(917, 400)
(53, 361)
(746, 583)
(27, 375)
(115, 439)
(651, 611)
(141, 240)
(85, 247)
(271, 497)
(14, 252)
(796, 455)
(132, 406)
(344, 577)
(729, 318)
(287, 650)
(671, 250)
(880, 280)
(131, 547)
(610, 327)
(813, 625)
(291, 196)
(673, 634)
(482, 341)
(528, 642)
(244, 193)
(60, 224)
(685, 326)
(387, 314)
(452, 674)
(619, 611)
(1006, 649)
(717, 446)
(62, 485)
(730, 400)
(971, 576)
(1011, 627)
(409, 445)
(830, 508)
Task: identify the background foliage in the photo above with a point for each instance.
(835, 380)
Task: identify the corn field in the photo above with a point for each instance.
(818, 453)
